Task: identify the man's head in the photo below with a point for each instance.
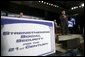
(21, 14)
(63, 12)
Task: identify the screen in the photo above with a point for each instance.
(71, 22)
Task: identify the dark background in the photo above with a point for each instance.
(34, 8)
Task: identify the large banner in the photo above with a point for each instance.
(26, 37)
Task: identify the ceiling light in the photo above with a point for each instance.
(54, 5)
(47, 3)
(51, 4)
(57, 6)
(82, 4)
(39, 1)
(76, 6)
(42, 1)
(72, 8)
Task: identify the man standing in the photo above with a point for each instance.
(64, 23)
